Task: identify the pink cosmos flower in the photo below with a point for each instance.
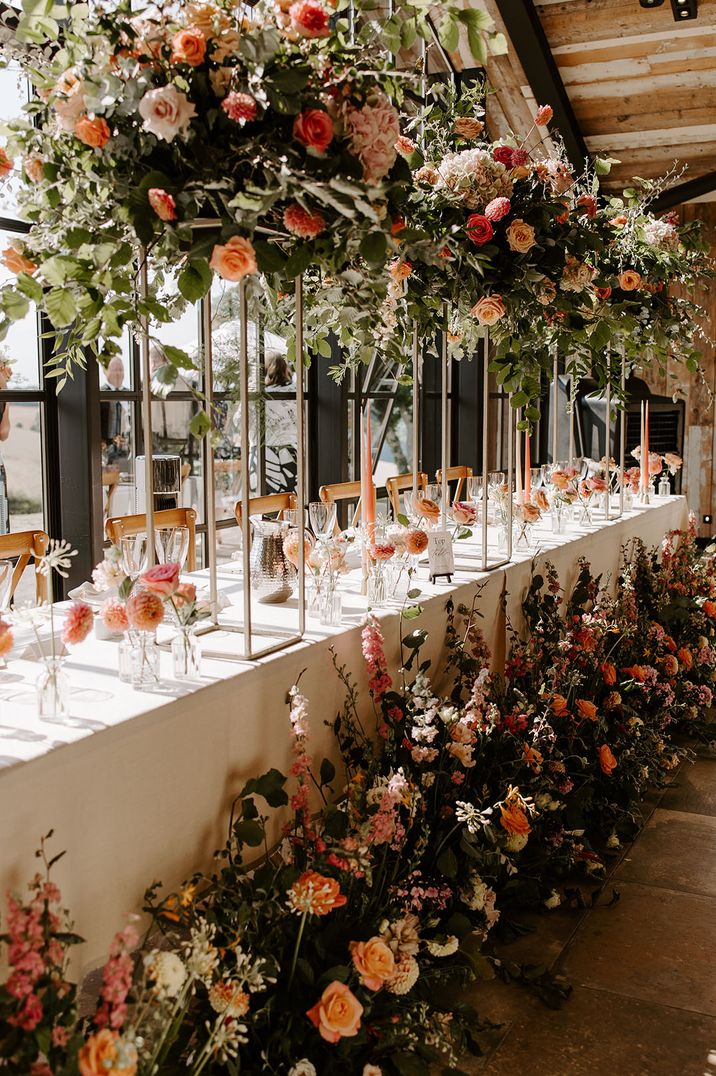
(299, 221)
(114, 615)
(309, 19)
(162, 203)
(78, 623)
(240, 107)
(145, 610)
(162, 579)
(543, 115)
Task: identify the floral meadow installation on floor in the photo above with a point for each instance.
(345, 947)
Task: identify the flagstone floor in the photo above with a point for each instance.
(643, 970)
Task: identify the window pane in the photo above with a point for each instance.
(13, 95)
(20, 348)
(120, 370)
(21, 462)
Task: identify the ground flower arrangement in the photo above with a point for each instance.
(343, 948)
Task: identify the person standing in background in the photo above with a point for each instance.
(5, 373)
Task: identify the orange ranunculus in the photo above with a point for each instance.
(235, 259)
(637, 672)
(101, 1054)
(189, 47)
(316, 894)
(629, 280)
(586, 709)
(92, 131)
(609, 673)
(685, 657)
(513, 818)
(14, 261)
(337, 1014)
(606, 759)
(558, 706)
(374, 962)
(709, 607)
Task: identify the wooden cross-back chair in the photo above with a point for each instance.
(128, 526)
(456, 474)
(271, 502)
(25, 545)
(398, 484)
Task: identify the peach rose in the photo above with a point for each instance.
(540, 500)
(166, 112)
(189, 47)
(92, 131)
(463, 513)
(374, 962)
(235, 259)
(34, 168)
(609, 673)
(5, 638)
(101, 1055)
(70, 105)
(337, 1014)
(184, 593)
(291, 547)
(313, 128)
(513, 818)
(489, 309)
(467, 127)
(629, 280)
(145, 611)
(162, 203)
(558, 706)
(6, 163)
(559, 479)
(428, 508)
(520, 236)
(416, 542)
(405, 145)
(606, 759)
(162, 579)
(586, 709)
(13, 260)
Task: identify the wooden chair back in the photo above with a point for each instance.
(110, 478)
(24, 545)
(400, 482)
(343, 491)
(272, 502)
(455, 474)
(127, 526)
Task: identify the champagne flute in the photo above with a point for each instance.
(323, 519)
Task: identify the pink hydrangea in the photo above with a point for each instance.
(240, 107)
(114, 615)
(373, 130)
(78, 623)
(299, 221)
(497, 209)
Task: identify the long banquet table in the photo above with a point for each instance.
(140, 788)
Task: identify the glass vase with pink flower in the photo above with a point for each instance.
(145, 612)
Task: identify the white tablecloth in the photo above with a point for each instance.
(140, 788)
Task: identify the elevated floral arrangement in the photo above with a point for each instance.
(451, 809)
(276, 127)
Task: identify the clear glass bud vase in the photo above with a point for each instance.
(145, 661)
(377, 585)
(186, 656)
(53, 692)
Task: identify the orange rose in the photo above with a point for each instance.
(6, 164)
(337, 1015)
(540, 500)
(629, 280)
(685, 657)
(520, 236)
(637, 672)
(189, 47)
(374, 962)
(514, 819)
(93, 132)
(235, 259)
(586, 709)
(709, 607)
(100, 1055)
(606, 759)
(558, 706)
(609, 673)
(489, 310)
(13, 260)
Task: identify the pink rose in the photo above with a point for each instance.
(162, 579)
(162, 203)
(299, 221)
(479, 230)
(309, 19)
(78, 623)
(337, 1014)
(503, 154)
(313, 128)
(543, 115)
(240, 107)
(463, 513)
(145, 610)
(497, 209)
(166, 112)
(235, 259)
(489, 309)
(114, 615)
(374, 961)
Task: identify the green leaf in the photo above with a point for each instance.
(60, 307)
(416, 639)
(269, 257)
(327, 771)
(414, 593)
(300, 259)
(449, 32)
(200, 424)
(603, 165)
(194, 280)
(29, 287)
(249, 832)
(374, 247)
(412, 612)
(447, 863)
(14, 304)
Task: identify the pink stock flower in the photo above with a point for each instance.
(145, 611)
(240, 107)
(301, 222)
(374, 655)
(309, 19)
(78, 623)
(543, 115)
(114, 615)
(29, 1015)
(162, 203)
(162, 579)
(116, 980)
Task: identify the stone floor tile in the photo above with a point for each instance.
(675, 850)
(602, 1034)
(655, 944)
(694, 789)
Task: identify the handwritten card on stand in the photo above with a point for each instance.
(440, 555)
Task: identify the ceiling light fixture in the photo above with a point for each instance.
(684, 9)
(651, 3)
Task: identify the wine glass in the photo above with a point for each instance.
(134, 555)
(535, 477)
(6, 569)
(323, 519)
(474, 489)
(172, 545)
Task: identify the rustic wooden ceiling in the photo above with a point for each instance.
(642, 86)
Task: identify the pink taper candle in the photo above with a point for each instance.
(646, 445)
(369, 504)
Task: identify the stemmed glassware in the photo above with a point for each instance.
(6, 569)
(172, 545)
(134, 555)
(323, 519)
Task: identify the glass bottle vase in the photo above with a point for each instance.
(125, 659)
(186, 656)
(53, 692)
(377, 585)
(145, 661)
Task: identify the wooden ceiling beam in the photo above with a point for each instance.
(596, 122)
(570, 23)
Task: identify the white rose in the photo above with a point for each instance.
(166, 112)
(553, 900)
(304, 1067)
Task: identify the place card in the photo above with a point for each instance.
(441, 561)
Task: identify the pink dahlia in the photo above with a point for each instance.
(240, 107)
(543, 115)
(309, 19)
(497, 209)
(114, 615)
(145, 611)
(162, 579)
(78, 623)
(299, 221)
